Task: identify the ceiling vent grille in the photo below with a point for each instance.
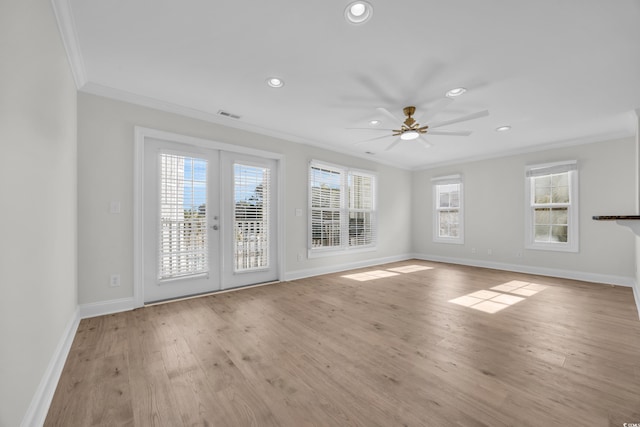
(228, 114)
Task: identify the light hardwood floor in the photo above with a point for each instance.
(364, 350)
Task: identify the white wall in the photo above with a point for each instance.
(105, 173)
(37, 201)
(494, 213)
(636, 289)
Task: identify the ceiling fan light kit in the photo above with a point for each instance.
(358, 12)
(409, 135)
(412, 130)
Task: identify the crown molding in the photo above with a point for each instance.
(169, 107)
(532, 149)
(67, 27)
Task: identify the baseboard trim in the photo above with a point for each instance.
(95, 309)
(310, 272)
(39, 407)
(540, 271)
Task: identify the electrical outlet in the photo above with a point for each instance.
(518, 254)
(115, 280)
(473, 250)
(489, 251)
(300, 256)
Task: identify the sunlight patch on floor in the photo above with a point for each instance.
(520, 288)
(499, 297)
(409, 268)
(370, 275)
(390, 272)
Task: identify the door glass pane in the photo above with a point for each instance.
(183, 248)
(252, 198)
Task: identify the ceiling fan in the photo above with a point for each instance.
(410, 128)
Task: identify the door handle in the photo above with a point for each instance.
(215, 227)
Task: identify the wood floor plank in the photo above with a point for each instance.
(389, 345)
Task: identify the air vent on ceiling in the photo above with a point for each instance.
(227, 114)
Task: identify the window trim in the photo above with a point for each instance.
(573, 236)
(344, 210)
(444, 180)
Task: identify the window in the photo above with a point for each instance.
(183, 217)
(552, 206)
(448, 218)
(342, 212)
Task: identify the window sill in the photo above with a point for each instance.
(321, 253)
(553, 247)
(458, 241)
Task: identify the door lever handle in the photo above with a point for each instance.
(215, 227)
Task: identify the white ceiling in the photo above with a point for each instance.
(556, 71)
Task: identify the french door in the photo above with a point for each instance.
(209, 221)
(249, 237)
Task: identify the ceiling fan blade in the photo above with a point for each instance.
(388, 114)
(472, 116)
(422, 140)
(450, 132)
(371, 139)
(387, 130)
(393, 144)
(437, 107)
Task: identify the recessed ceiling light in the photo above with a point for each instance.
(358, 12)
(275, 82)
(503, 128)
(456, 92)
(375, 122)
(409, 135)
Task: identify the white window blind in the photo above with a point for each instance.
(252, 198)
(183, 245)
(552, 209)
(448, 219)
(361, 214)
(553, 168)
(341, 208)
(326, 188)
